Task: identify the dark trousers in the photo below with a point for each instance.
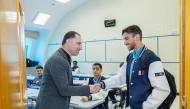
(112, 93)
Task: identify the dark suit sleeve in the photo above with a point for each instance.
(59, 72)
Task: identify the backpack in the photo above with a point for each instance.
(166, 104)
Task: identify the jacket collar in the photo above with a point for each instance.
(144, 49)
(65, 55)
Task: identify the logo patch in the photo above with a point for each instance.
(159, 74)
(141, 72)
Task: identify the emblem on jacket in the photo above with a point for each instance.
(141, 72)
(159, 74)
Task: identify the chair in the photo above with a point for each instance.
(29, 82)
(81, 78)
(121, 102)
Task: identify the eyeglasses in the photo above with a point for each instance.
(95, 69)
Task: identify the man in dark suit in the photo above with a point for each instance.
(57, 81)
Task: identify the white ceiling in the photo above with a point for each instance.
(56, 9)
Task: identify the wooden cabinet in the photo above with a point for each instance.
(12, 56)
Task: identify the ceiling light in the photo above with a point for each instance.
(63, 1)
(41, 19)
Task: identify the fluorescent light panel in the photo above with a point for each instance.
(63, 1)
(41, 19)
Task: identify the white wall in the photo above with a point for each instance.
(38, 47)
(155, 17)
(31, 42)
(41, 46)
(28, 42)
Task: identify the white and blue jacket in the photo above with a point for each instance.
(145, 90)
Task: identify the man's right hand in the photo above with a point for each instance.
(94, 88)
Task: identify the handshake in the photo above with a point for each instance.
(95, 88)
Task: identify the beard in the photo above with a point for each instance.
(132, 46)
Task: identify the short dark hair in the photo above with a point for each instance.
(39, 67)
(75, 61)
(100, 65)
(134, 29)
(121, 64)
(70, 34)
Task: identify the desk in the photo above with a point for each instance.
(88, 75)
(32, 93)
(83, 75)
(76, 103)
(79, 82)
(75, 82)
(30, 77)
(74, 75)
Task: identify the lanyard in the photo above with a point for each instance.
(134, 58)
(98, 80)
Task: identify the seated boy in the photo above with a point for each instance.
(102, 94)
(75, 67)
(37, 80)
